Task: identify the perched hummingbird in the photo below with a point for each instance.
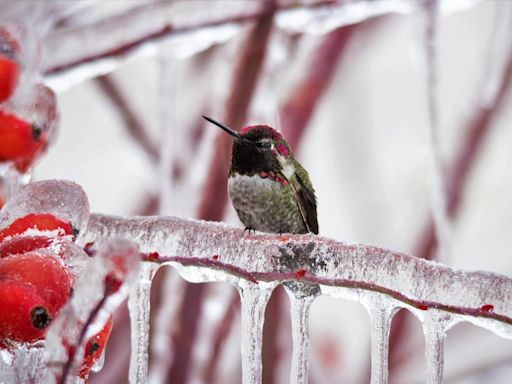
(270, 190)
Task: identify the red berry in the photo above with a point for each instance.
(37, 221)
(9, 73)
(21, 142)
(44, 273)
(93, 349)
(88, 248)
(299, 274)
(423, 307)
(487, 307)
(23, 244)
(23, 315)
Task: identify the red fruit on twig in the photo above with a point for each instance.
(9, 73)
(23, 313)
(24, 244)
(21, 142)
(44, 273)
(37, 221)
(94, 348)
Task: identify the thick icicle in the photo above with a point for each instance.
(299, 311)
(162, 350)
(435, 325)
(381, 311)
(254, 301)
(139, 306)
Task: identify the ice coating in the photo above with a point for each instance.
(381, 311)
(254, 301)
(435, 326)
(383, 280)
(31, 110)
(93, 56)
(30, 368)
(139, 306)
(162, 348)
(299, 309)
(37, 106)
(413, 282)
(97, 47)
(22, 364)
(64, 199)
(103, 285)
(12, 180)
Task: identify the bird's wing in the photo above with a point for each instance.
(305, 198)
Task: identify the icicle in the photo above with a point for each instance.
(435, 326)
(381, 311)
(439, 196)
(299, 311)
(138, 305)
(29, 365)
(254, 301)
(161, 344)
(13, 180)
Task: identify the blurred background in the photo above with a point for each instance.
(400, 110)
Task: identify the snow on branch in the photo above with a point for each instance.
(207, 251)
(84, 51)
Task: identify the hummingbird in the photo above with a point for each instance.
(270, 190)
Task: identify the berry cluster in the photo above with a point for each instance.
(24, 138)
(35, 282)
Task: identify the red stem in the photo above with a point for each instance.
(298, 110)
(281, 277)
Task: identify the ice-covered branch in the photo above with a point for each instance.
(206, 251)
(168, 19)
(83, 51)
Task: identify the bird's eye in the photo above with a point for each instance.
(264, 144)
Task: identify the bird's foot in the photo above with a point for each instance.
(249, 229)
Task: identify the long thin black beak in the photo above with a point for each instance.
(231, 131)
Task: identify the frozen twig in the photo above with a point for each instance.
(221, 253)
(167, 19)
